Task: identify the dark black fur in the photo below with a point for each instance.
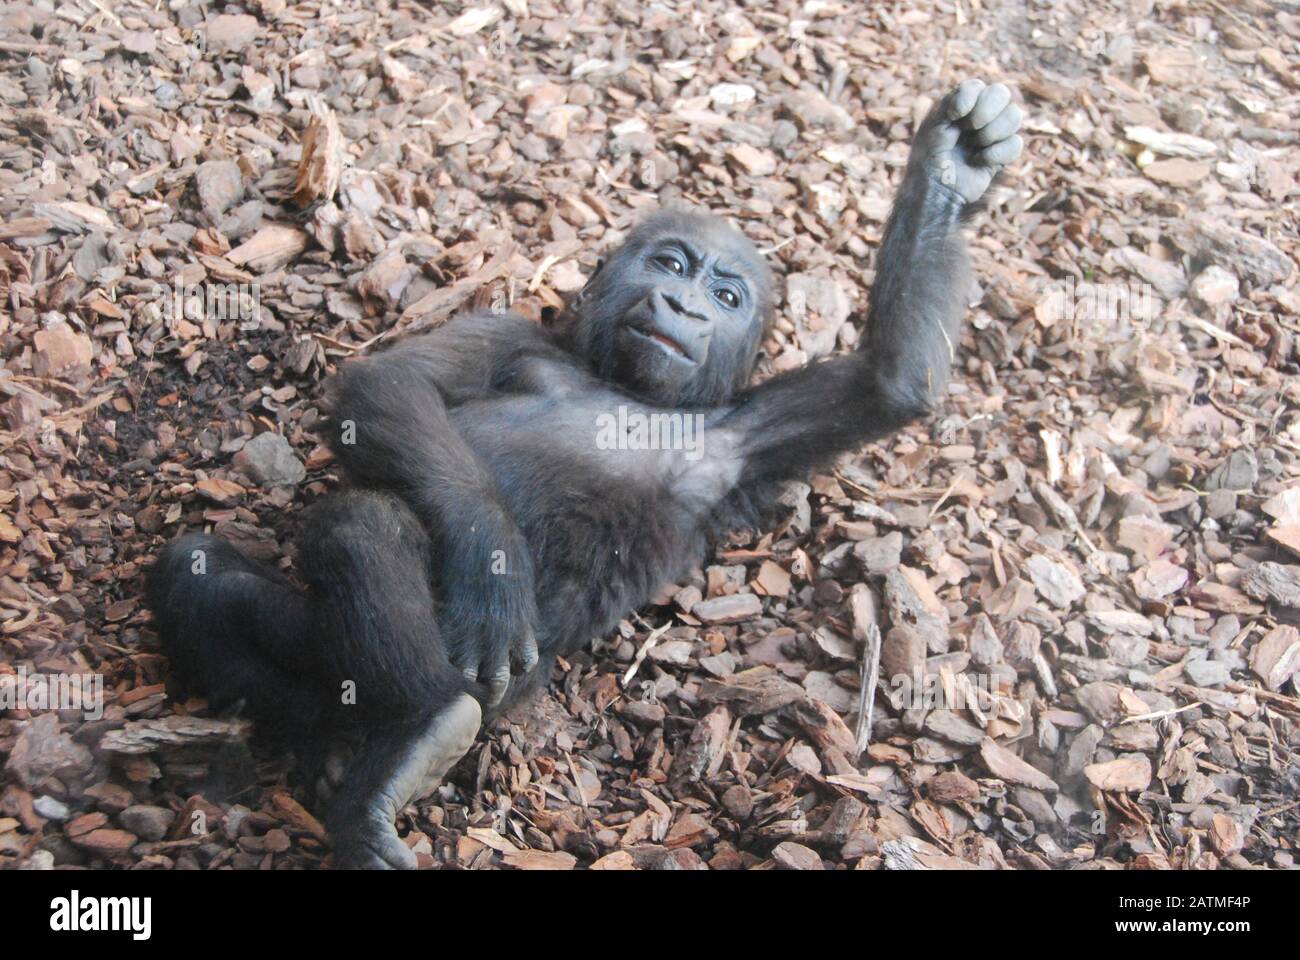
(474, 447)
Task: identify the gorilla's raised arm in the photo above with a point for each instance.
(804, 418)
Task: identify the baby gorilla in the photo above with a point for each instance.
(494, 520)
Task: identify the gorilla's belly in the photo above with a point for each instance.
(584, 478)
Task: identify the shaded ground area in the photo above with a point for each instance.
(1088, 562)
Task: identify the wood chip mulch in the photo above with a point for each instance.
(1093, 553)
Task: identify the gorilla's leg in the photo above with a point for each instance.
(235, 631)
(356, 659)
(394, 407)
(368, 563)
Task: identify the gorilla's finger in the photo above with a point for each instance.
(395, 854)
(392, 854)
(992, 101)
(373, 846)
(496, 679)
(1002, 152)
(1000, 127)
(962, 100)
(524, 657)
(943, 136)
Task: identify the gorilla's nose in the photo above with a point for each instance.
(677, 306)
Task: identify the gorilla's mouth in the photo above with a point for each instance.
(667, 343)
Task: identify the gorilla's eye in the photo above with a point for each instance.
(728, 296)
(672, 263)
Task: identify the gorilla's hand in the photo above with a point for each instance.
(968, 137)
(489, 616)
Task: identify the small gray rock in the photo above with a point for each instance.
(50, 808)
(880, 555)
(1215, 286)
(241, 221)
(784, 133)
(268, 460)
(147, 822)
(729, 609)
(1056, 582)
(43, 751)
(220, 185)
(1128, 651)
(1082, 750)
(1099, 700)
(1036, 806)
(948, 726)
(1207, 673)
(985, 647)
(1240, 471)
(1220, 503)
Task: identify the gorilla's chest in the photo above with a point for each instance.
(554, 451)
(609, 493)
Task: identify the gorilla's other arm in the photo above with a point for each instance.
(393, 431)
(900, 370)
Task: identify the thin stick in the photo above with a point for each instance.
(650, 641)
(577, 782)
(867, 687)
(1158, 714)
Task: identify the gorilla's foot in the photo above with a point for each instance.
(392, 768)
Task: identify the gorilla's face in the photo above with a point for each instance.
(676, 315)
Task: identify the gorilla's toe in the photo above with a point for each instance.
(372, 844)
